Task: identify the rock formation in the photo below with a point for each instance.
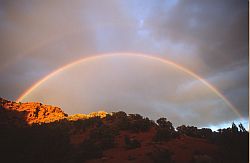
(32, 112)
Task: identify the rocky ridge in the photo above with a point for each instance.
(34, 112)
(33, 132)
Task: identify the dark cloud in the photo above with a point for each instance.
(219, 29)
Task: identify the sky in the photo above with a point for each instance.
(208, 37)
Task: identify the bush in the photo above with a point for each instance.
(119, 115)
(133, 117)
(83, 124)
(165, 130)
(205, 133)
(140, 125)
(122, 124)
(188, 130)
(103, 137)
(133, 122)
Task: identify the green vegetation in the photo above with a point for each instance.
(165, 130)
(103, 137)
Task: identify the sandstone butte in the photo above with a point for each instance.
(34, 112)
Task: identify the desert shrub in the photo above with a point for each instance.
(103, 137)
(132, 122)
(135, 117)
(188, 130)
(205, 133)
(119, 120)
(119, 115)
(131, 143)
(122, 124)
(163, 123)
(139, 125)
(83, 124)
(165, 130)
(195, 132)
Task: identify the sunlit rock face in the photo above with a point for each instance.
(23, 114)
(30, 112)
(135, 85)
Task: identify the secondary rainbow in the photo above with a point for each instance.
(33, 87)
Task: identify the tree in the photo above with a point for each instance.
(188, 130)
(242, 129)
(163, 123)
(135, 117)
(234, 128)
(119, 115)
(205, 132)
(165, 130)
(139, 124)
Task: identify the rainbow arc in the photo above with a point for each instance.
(165, 61)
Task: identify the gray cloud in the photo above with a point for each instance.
(218, 29)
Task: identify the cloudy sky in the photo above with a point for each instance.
(208, 37)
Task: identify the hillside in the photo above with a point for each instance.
(33, 132)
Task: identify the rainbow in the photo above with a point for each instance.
(183, 69)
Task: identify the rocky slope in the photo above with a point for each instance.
(33, 132)
(31, 112)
